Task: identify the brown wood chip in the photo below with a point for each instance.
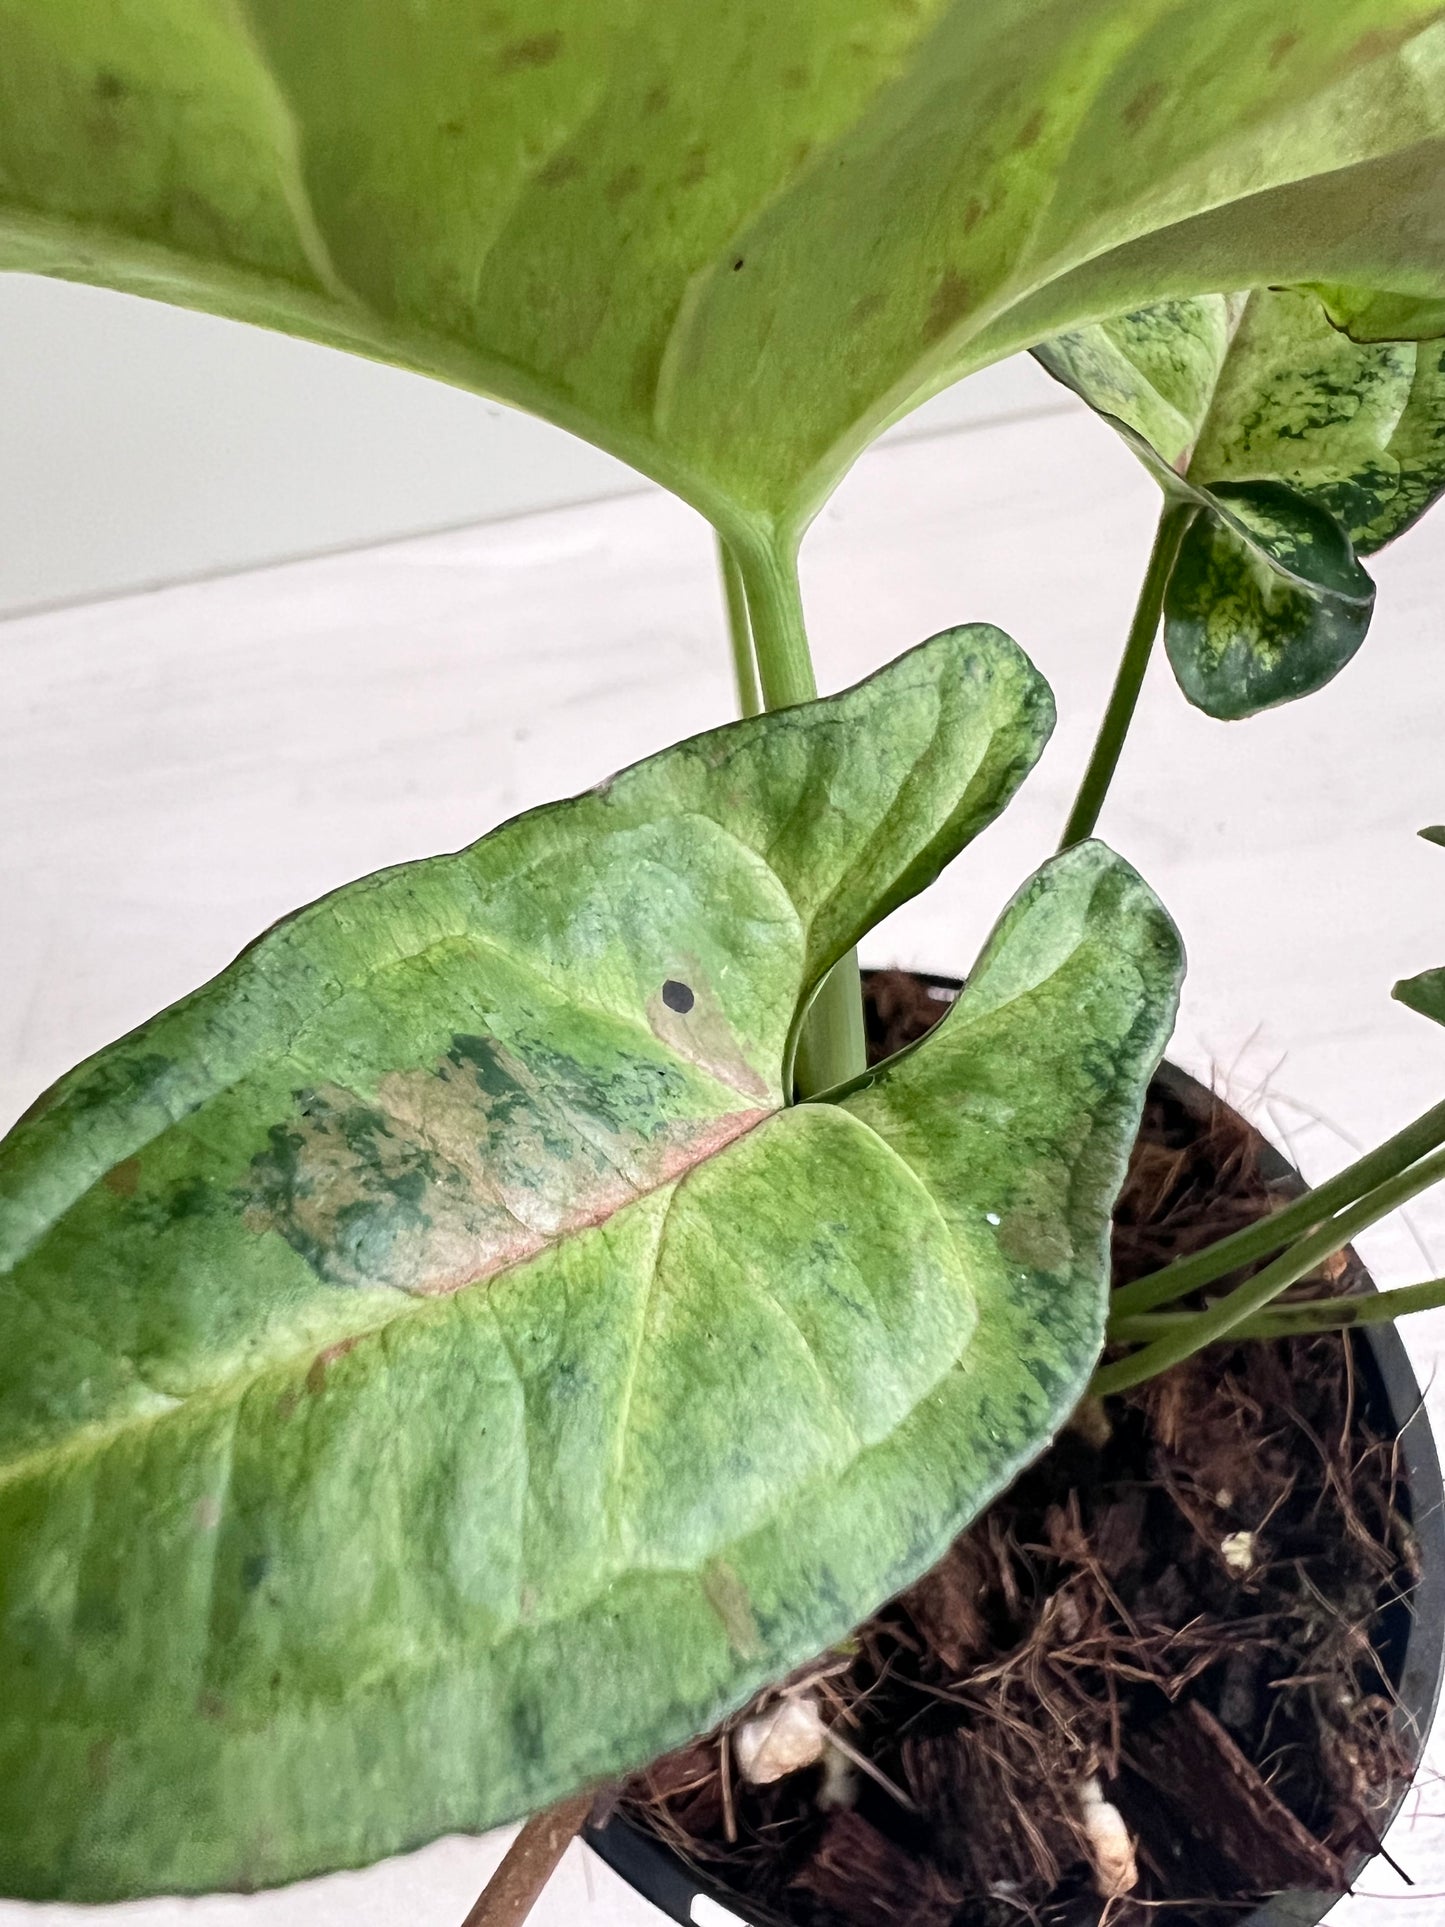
(1190, 1760)
(868, 1880)
(944, 1606)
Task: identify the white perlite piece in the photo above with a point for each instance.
(785, 1739)
(1238, 1551)
(1110, 1848)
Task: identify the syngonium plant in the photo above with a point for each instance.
(499, 1323)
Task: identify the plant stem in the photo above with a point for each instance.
(529, 1863)
(769, 571)
(1174, 518)
(1193, 1332)
(745, 669)
(831, 1048)
(1308, 1315)
(1272, 1234)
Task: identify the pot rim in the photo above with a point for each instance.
(689, 1898)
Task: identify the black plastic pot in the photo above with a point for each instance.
(1411, 1641)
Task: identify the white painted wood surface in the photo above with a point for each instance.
(179, 768)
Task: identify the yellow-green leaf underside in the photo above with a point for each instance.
(729, 242)
(439, 1369)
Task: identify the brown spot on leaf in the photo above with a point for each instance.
(950, 303)
(728, 1597)
(625, 181)
(794, 79)
(316, 1374)
(559, 170)
(1029, 133)
(1281, 47)
(694, 167)
(109, 86)
(972, 214)
(656, 100)
(123, 1178)
(537, 50)
(210, 1706)
(1373, 44)
(866, 308)
(1141, 109)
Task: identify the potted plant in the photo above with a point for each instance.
(502, 1323)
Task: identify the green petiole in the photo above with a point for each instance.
(1174, 519)
(831, 1049)
(1314, 1314)
(1193, 1331)
(1273, 1234)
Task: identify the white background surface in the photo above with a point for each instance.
(179, 768)
(145, 444)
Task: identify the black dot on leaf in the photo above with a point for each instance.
(737, 264)
(677, 996)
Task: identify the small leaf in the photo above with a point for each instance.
(439, 1370)
(1426, 992)
(1266, 601)
(1220, 393)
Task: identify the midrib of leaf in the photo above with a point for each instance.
(1234, 320)
(88, 1440)
(284, 1046)
(289, 146)
(94, 1441)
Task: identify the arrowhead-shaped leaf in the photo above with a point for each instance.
(728, 243)
(438, 1367)
(1252, 399)
(1265, 601)
(1426, 993)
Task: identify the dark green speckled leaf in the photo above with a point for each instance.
(1261, 388)
(1261, 392)
(1265, 603)
(438, 1368)
(1357, 429)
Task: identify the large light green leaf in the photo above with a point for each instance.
(439, 1369)
(727, 242)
